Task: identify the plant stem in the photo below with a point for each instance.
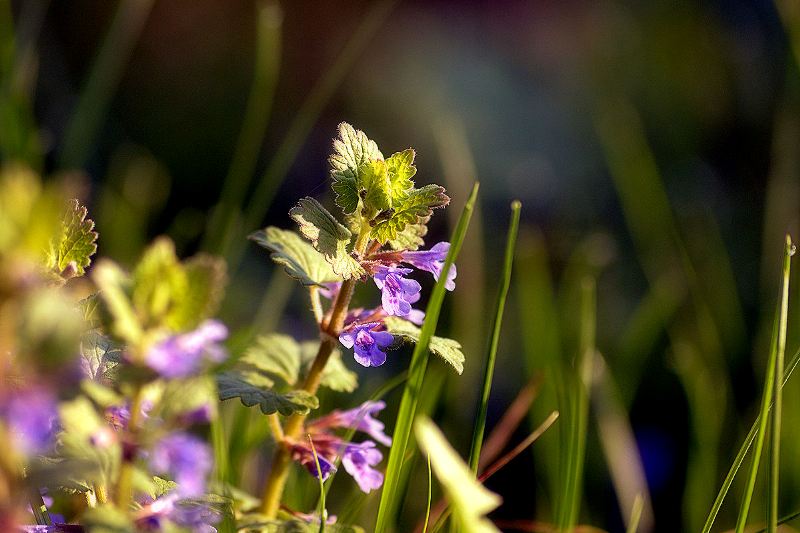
(282, 460)
(124, 493)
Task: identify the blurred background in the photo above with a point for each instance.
(654, 147)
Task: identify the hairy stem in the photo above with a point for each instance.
(330, 329)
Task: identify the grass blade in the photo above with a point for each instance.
(103, 78)
(323, 514)
(769, 382)
(419, 363)
(636, 514)
(222, 222)
(494, 341)
(430, 496)
(742, 453)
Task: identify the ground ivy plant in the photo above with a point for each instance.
(112, 375)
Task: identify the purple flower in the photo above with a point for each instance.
(416, 316)
(358, 460)
(193, 515)
(31, 416)
(186, 458)
(398, 293)
(433, 261)
(360, 418)
(305, 456)
(184, 355)
(367, 344)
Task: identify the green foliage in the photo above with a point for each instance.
(374, 181)
(413, 207)
(100, 356)
(351, 150)
(162, 292)
(107, 519)
(447, 349)
(257, 523)
(400, 167)
(70, 253)
(410, 238)
(298, 258)
(469, 500)
(280, 356)
(328, 236)
(81, 423)
(253, 388)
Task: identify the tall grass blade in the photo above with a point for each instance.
(742, 453)
(494, 341)
(579, 406)
(769, 383)
(636, 514)
(323, 514)
(223, 220)
(390, 497)
(777, 409)
(303, 121)
(430, 496)
(104, 76)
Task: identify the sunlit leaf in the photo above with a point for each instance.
(447, 349)
(253, 388)
(71, 252)
(412, 208)
(350, 150)
(297, 257)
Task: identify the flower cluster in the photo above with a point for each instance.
(358, 459)
(365, 332)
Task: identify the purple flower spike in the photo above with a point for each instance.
(433, 261)
(368, 345)
(187, 459)
(358, 460)
(32, 417)
(398, 293)
(184, 355)
(360, 418)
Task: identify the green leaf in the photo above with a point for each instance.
(106, 519)
(159, 282)
(178, 397)
(80, 422)
(298, 258)
(413, 207)
(376, 187)
(253, 388)
(328, 236)
(100, 357)
(206, 278)
(351, 150)
(71, 253)
(401, 169)
(336, 375)
(258, 523)
(469, 500)
(447, 349)
(411, 238)
(114, 285)
(280, 356)
(276, 355)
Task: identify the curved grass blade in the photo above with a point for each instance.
(430, 496)
(104, 76)
(323, 514)
(222, 222)
(390, 497)
(494, 341)
(739, 459)
(778, 341)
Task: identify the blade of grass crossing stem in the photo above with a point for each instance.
(419, 362)
(430, 496)
(104, 76)
(775, 434)
(494, 341)
(742, 453)
(323, 514)
(636, 514)
(222, 222)
(579, 409)
(769, 381)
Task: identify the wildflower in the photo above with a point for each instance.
(159, 514)
(398, 293)
(433, 261)
(304, 455)
(183, 355)
(118, 416)
(186, 458)
(367, 344)
(360, 419)
(358, 460)
(31, 416)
